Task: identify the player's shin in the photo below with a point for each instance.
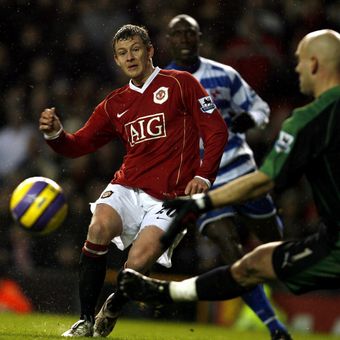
(218, 284)
(91, 277)
(184, 290)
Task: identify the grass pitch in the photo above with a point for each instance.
(49, 327)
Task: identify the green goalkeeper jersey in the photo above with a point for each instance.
(309, 144)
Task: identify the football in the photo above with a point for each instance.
(38, 205)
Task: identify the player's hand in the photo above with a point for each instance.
(49, 122)
(188, 209)
(242, 122)
(196, 186)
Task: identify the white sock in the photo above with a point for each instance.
(183, 290)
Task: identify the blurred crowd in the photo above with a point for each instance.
(57, 53)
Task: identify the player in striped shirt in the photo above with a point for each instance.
(241, 109)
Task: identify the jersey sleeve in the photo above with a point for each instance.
(292, 150)
(208, 120)
(245, 99)
(96, 132)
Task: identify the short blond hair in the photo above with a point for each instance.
(128, 31)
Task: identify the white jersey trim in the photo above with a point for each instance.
(147, 83)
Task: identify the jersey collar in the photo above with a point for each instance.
(147, 83)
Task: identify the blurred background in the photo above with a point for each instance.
(57, 53)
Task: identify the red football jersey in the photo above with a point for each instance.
(160, 124)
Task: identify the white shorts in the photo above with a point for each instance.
(137, 211)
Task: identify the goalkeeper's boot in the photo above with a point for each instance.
(142, 288)
(281, 335)
(106, 319)
(80, 328)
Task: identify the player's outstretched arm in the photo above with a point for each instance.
(188, 209)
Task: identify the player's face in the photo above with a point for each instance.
(303, 68)
(134, 58)
(184, 40)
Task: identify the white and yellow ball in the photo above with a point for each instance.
(38, 205)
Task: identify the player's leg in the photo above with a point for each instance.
(146, 249)
(266, 229)
(259, 216)
(310, 263)
(144, 252)
(224, 232)
(105, 224)
(222, 283)
(113, 212)
(255, 267)
(303, 265)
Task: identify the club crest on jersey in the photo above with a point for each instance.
(146, 128)
(207, 105)
(161, 95)
(284, 142)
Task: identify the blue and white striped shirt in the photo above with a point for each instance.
(232, 95)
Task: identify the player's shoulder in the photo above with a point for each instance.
(216, 66)
(304, 116)
(118, 91)
(301, 120)
(111, 97)
(177, 75)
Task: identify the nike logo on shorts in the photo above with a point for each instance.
(161, 218)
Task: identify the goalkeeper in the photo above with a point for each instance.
(308, 144)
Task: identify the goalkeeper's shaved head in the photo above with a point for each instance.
(326, 45)
(318, 55)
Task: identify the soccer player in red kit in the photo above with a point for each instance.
(160, 115)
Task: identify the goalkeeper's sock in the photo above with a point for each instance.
(91, 277)
(218, 284)
(257, 300)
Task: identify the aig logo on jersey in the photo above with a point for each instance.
(207, 105)
(161, 95)
(284, 142)
(146, 128)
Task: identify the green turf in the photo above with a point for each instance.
(47, 327)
